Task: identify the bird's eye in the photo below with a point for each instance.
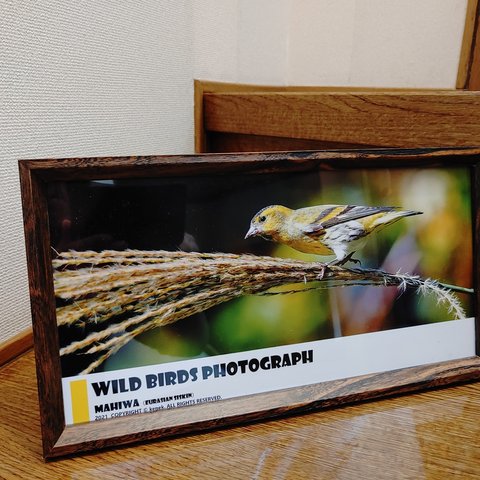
(262, 218)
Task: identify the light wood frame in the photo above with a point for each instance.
(469, 65)
(250, 118)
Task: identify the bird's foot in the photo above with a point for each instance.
(348, 258)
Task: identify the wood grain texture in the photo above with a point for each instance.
(59, 440)
(428, 435)
(16, 345)
(42, 300)
(466, 62)
(209, 416)
(406, 119)
(473, 82)
(45, 170)
(212, 142)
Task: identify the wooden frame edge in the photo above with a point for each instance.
(64, 441)
(271, 405)
(386, 118)
(207, 87)
(38, 262)
(468, 76)
(202, 87)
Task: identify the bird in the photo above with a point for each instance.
(324, 230)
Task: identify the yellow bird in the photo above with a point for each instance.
(324, 229)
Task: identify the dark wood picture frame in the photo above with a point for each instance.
(60, 439)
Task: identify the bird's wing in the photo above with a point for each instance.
(336, 215)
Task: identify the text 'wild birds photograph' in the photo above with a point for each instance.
(159, 270)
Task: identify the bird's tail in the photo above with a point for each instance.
(390, 216)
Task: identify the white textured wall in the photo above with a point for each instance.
(385, 43)
(395, 43)
(114, 77)
(85, 78)
(215, 31)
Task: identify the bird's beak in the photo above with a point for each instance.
(251, 232)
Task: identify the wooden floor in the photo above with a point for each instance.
(430, 435)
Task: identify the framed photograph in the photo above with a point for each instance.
(177, 294)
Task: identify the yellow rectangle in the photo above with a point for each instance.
(79, 395)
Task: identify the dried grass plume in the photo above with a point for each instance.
(125, 293)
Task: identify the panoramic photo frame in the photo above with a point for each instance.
(173, 294)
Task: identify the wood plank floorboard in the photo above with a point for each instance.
(429, 435)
